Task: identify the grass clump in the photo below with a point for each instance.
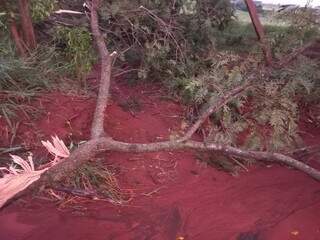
(21, 79)
(98, 179)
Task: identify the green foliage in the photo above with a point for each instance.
(38, 71)
(163, 32)
(207, 73)
(273, 112)
(269, 111)
(300, 17)
(277, 112)
(240, 37)
(22, 79)
(78, 49)
(199, 81)
(41, 9)
(198, 51)
(285, 38)
(214, 13)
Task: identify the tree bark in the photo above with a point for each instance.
(95, 146)
(259, 31)
(16, 38)
(18, 41)
(106, 62)
(26, 23)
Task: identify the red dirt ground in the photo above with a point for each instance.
(192, 201)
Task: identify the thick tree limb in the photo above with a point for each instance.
(113, 145)
(106, 63)
(91, 148)
(88, 151)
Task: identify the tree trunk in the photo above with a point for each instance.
(16, 38)
(26, 23)
(259, 31)
(18, 41)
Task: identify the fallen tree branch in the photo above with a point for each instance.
(100, 143)
(92, 147)
(113, 145)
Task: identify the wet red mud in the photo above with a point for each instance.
(174, 195)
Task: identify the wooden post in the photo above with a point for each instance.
(259, 31)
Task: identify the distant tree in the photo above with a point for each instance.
(20, 25)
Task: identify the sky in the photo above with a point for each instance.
(297, 2)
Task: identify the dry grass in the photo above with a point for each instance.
(96, 181)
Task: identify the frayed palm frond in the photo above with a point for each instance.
(15, 180)
(27, 166)
(22, 173)
(57, 148)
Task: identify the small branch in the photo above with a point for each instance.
(214, 106)
(77, 192)
(61, 11)
(304, 151)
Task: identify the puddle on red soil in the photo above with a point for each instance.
(175, 196)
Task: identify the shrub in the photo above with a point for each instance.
(77, 49)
